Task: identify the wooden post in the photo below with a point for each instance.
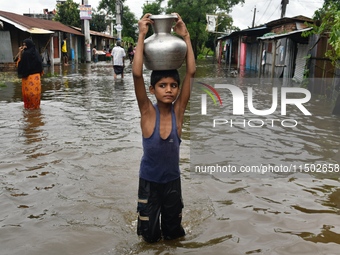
(273, 59)
(230, 51)
(261, 53)
(239, 52)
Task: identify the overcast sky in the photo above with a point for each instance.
(266, 10)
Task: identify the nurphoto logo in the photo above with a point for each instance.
(208, 89)
(238, 106)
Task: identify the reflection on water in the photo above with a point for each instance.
(32, 128)
(69, 175)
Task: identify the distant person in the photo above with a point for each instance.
(131, 52)
(30, 69)
(94, 54)
(64, 51)
(108, 55)
(118, 54)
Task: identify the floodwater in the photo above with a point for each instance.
(69, 176)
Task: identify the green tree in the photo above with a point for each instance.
(153, 8)
(98, 22)
(328, 4)
(327, 23)
(193, 13)
(109, 6)
(129, 23)
(68, 13)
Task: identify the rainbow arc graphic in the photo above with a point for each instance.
(211, 91)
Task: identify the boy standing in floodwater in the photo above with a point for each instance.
(159, 191)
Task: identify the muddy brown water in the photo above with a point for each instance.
(69, 175)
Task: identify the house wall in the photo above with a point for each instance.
(74, 48)
(56, 48)
(17, 37)
(323, 70)
(302, 52)
(288, 27)
(44, 42)
(227, 50)
(267, 47)
(323, 66)
(243, 55)
(290, 60)
(253, 56)
(81, 49)
(234, 57)
(6, 55)
(280, 58)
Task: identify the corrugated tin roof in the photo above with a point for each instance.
(272, 36)
(25, 23)
(267, 27)
(246, 32)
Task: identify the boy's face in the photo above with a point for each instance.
(166, 90)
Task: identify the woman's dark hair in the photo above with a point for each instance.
(157, 75)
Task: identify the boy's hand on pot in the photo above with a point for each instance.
(180, 27)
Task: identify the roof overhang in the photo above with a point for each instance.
(95, 33)
(33, 30)
(14, 23)
(246, 32)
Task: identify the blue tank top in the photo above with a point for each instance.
(160, 161)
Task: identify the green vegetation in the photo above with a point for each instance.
(68, 13)
(205, 52)
(98, 22)
(129, 21)
(327, 23)
(6, 77)
(49, 75)
(305, 81)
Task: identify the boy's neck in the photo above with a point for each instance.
(164, 108)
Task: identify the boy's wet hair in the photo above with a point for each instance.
(156, 76)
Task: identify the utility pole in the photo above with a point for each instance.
(119, 27)
(254, 17)
(86, 32)
(284, 7)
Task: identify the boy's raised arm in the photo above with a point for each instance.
(137, 66)
(182, 101)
